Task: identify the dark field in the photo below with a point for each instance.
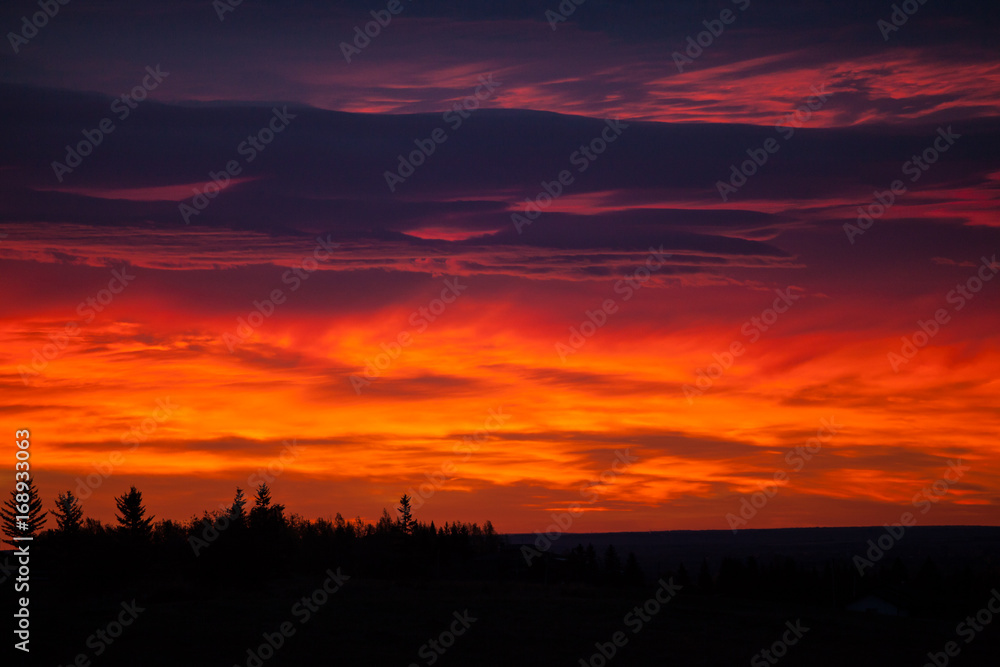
(509, 616)
(382, 623)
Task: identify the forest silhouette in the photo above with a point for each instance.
(258, 540)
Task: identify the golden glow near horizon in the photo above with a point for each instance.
(149, 394)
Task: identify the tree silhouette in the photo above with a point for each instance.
(405, 515)
(68, 513)
(132, 512)
(264, 514)
(237, 513)
(23, 497)
(262, 500)
(385, 523)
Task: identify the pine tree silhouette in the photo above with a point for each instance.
(405, 515)
(237, 513)
(68, 513)
(131, 514)
(24, 496)
(385, 523)
(264, 515)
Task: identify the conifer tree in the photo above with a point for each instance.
(68, 513)
(237, 513)
(131, 514)
(405, 515)
(24, 502)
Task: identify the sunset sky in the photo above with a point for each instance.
(136, 312)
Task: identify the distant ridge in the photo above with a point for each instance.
(954, 545)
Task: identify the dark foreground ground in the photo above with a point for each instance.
(515, 621)
(381, 623)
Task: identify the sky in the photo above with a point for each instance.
(644, 265)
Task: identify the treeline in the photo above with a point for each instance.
(247, 541)
(580, 565)
(256, 540)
